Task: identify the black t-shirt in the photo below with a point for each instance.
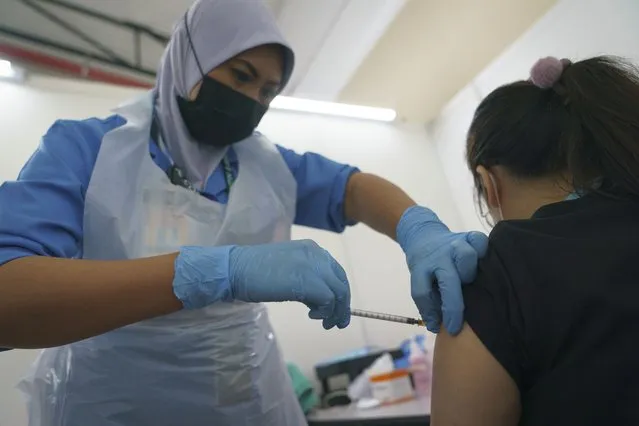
(556, 302)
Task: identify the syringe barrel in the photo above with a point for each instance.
(380, 316)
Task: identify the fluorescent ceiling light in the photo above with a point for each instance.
(332, 108)
(9, 72)
(6, 69)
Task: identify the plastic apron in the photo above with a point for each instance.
(216, 366)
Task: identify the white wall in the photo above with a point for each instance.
(576, 29)
(26, 111)
(374, 264)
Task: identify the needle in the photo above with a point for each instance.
(387, 317)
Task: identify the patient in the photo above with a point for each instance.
(552, 320)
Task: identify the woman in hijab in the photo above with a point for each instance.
(139, 248)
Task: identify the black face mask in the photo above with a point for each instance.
(220, 116)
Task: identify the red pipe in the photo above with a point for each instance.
(69, 67)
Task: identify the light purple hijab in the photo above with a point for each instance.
(220, 29)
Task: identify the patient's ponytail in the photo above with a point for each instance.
(602, 136)
(576, 119)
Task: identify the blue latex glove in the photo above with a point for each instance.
(299, 271)
(437, 255)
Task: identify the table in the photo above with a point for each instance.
(415, 412)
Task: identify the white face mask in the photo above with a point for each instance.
(501, 214)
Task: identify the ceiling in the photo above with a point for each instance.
(434, 48)
(411, 55)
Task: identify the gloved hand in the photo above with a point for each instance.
(299, 271)
(435, 254)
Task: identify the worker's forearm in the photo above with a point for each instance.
(48, 301)
(375, 202)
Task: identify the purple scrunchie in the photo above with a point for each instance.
(547, 71)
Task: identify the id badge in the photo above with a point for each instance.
(166, 229)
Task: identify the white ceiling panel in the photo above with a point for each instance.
(411, 55)
(434, 48)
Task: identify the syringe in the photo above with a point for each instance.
(387, 317)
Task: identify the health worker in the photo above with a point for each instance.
(139, 248)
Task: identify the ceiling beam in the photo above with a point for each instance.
(44, 44)
(306, 24)
(56, 63)
(353, 34)
(88, 12)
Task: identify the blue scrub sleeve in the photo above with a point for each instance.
(321, 188)
(41, 213)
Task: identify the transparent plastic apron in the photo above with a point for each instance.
(218, 366)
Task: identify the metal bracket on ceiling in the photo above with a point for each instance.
(107, 56)
(143, 29)
(74, 30)
(91, 57)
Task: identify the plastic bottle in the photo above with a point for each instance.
(420, 368)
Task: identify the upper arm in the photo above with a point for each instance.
(479, 374)
(321, 189)
(470, 387)
(41, 213)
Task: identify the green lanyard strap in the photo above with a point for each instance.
(228, 174)
(174, 173)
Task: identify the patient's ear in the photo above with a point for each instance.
(489, 184)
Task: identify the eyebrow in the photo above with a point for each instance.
(254, 71)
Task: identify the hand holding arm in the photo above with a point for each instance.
(439, 261)
(433, 252)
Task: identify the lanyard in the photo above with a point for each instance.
(175, 174)
(228, 174)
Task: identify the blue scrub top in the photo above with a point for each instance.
(42, 212)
